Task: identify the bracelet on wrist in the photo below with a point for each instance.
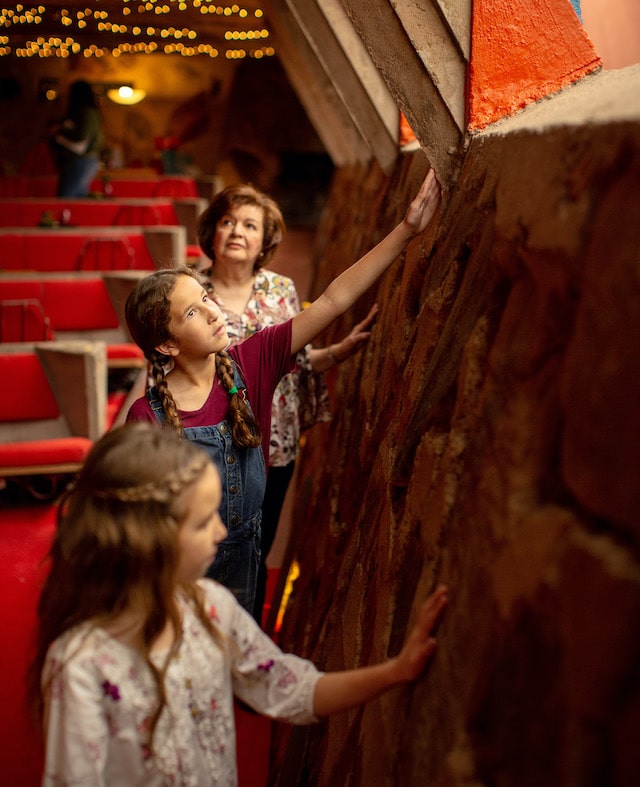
(333, 357)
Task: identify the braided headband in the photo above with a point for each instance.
(160, 491)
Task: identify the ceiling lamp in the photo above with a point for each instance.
(125, 94)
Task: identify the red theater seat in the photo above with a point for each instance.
(35, 457)
(24, 321)
(106, 254)
(26, 396)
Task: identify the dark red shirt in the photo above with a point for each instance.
(263, 359)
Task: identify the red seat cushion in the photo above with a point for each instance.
(25, 394)
(79, 305)
(114, 405)
(125, 350)
(14, 289)
(60, 450)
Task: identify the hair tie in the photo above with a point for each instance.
(233, 390)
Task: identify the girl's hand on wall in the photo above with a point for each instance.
(424, 204)
(420, 643)
(336, 691)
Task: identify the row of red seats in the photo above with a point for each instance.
(109, 183)
(51, 413)
(34, 309)
(34, 212)
(55, 235)
(62, 338)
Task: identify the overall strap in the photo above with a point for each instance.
(237, 376)
(156, 404)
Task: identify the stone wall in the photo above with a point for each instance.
(487, 438)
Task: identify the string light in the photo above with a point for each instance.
(143, 39)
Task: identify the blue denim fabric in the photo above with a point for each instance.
(76, 176)
(243, 475)
(236, 567)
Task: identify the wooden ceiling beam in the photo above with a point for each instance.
(420, 51)
(336, 81)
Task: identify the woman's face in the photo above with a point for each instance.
(201, 529)
(239, 235)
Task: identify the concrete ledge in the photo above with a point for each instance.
(605, 97)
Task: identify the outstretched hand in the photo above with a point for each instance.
(420, 643)
(356, 336)
(424, 204)
(353, 282)
(337, 691)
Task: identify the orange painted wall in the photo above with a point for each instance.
(522, 51)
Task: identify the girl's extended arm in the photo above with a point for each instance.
(336, 691)
(343, 291)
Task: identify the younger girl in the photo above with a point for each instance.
(222, 400)
(138, 658)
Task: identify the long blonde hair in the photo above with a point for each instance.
(115, 545)
(147, 313)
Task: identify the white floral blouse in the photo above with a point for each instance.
(103, 696)
(274, 300)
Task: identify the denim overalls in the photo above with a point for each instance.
(243, 475)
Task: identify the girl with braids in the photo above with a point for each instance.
(221, 398)
(240, 233)
(138, 657)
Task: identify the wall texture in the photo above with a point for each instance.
(486, 438)
(522, 52)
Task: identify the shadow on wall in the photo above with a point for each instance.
(298, 181)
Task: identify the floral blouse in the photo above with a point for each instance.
(275, 300)
(103, 696)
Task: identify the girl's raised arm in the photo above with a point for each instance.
(343, 291)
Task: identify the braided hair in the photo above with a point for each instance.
(115, 546)
(147, 313)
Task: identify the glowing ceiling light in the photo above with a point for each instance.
(126, 95)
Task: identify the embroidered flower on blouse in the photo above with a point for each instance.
(143, 728)
(111, 691)
(145, 725)
(93, 749)
(266, 665)
(287, 678)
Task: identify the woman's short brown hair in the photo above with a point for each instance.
(242, 194)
